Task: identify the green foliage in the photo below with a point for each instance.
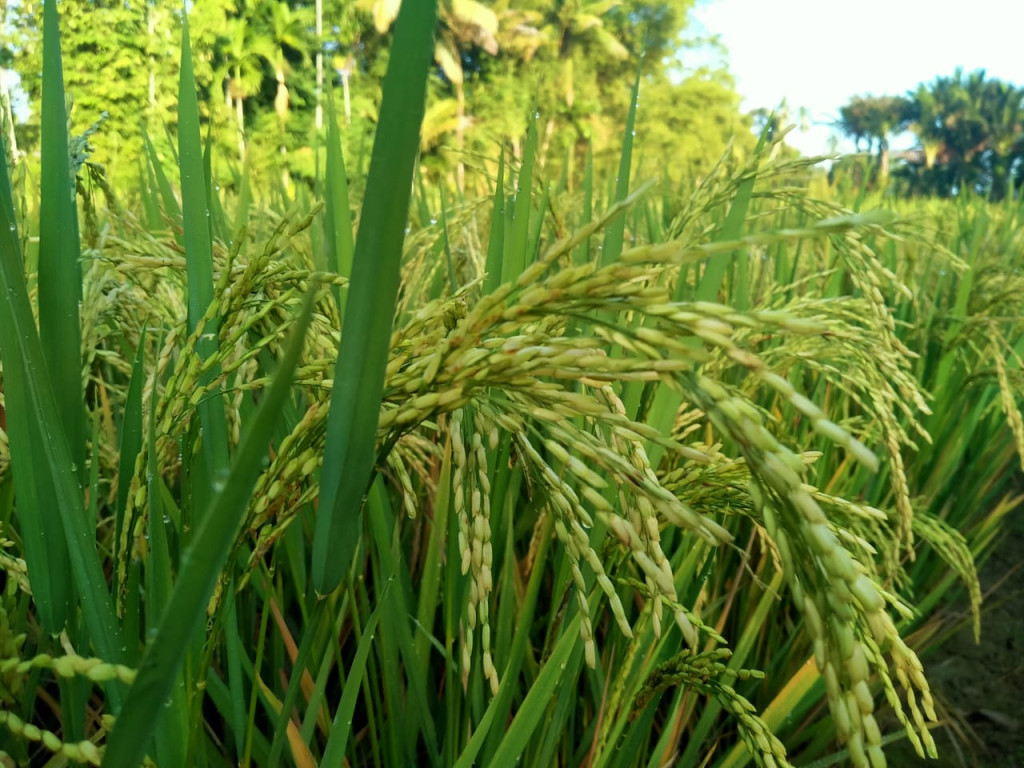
(255, 64)
(970, 132)
(875, 118)
(626, 478)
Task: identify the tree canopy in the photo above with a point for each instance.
(256, 62)
(969, 130)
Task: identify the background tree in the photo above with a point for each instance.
(969, 130)
(244, 51)
(255, 63)
(876, 119)
(110, 41)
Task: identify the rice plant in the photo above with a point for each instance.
(553, 478)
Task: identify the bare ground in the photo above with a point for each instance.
(979, 688)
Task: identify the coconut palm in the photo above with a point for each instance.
(461, 24)
(567, 28)
(245, 50)
(875, 118)
(288, 28)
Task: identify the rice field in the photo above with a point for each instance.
(549, 469)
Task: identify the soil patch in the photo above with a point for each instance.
(979, 687)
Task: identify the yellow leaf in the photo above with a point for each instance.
(448, 59)
(384, 14)
(303, 757)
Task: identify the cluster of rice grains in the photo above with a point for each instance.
(255, 301)
(843, 606)
(708, 674)
(16, 673)
(511, 365)
(526, 365)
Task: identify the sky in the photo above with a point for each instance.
(818, 53)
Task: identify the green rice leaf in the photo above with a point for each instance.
(171, 206)
(516, 252)
(60, 274)
(341, 728)
(496, 242)
(614, 233)
(350, 449)
(338, 214)
(199, 255)
(47, 470)
(131, 440)
(172, 731)
(535, 704)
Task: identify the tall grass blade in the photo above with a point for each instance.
(60, 274)
(36, 509)
(496, 240)
(611, 249)
(582, 253)
(500, 704)
(172, 732)
(396, 620)
(196, 220)
(341, 728)
(666, 402)
(200, 566)
(59, 294)
(535, 704)
(517, 244)
(171, 206)
(47, 470)
(338, 214)
(131, 441)
(350, 449)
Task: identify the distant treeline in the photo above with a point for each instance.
(970, 137)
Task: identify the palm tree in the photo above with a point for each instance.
(876, 118)
(288, 29)
(1002, 107)
(461, 24)
(568, 28)
(246, 48)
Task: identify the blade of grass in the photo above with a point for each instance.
(350, 449)
(131, 441)
(453, 283)
(33, 425)
(535, 704)
(300, 752)
(59, 294)
(200, 566)
(611, 250)
(173, 731)
(251, 733)
(236, 683)
(337, 214)
(317, 626)
(397, 620)
(341, 727)
(582, 253)
(196, 220)
(60, 273)
(509, 686)
(496, 240)
(516, 252)
(666, 402)
(171, 207)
